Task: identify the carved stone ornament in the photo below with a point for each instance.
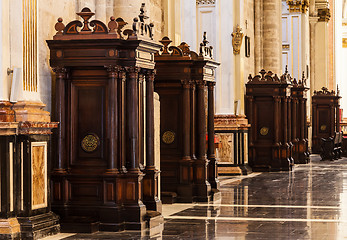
(237, 39)
(205, 2)
(324, 15)
(298, 5)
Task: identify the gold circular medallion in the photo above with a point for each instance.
(264, 131)
(323, 127)
(90, 142)
(168, 137)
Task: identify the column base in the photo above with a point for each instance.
(134, 210)
(9, 229)
(150, 190)
(26, 111)
(39, 226)
(6, 113)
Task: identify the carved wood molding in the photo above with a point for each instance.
(96, 29)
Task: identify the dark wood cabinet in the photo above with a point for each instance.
(185, 83)
(100, 180)
(267, 108)
(325, 116)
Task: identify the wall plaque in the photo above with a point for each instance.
(237, 39)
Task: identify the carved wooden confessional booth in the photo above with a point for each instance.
(185, 83)
(299, 134)
(99, 181)
(325, 116)
(268, 111)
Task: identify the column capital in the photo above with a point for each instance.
(298, 5)
(323, 14)
(59, 70)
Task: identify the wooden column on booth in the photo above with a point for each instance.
(298, 93)
(98, 179)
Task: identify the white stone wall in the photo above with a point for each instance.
(218, 20)
(5, 60)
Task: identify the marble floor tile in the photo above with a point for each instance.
(309, 202)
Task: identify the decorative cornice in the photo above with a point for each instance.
(298, 5)
(324, 14)
(205, 2)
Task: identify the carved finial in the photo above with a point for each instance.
(86, 14)
(142, 27)
(286, 70)
(59, 26)
(112, 25)
(205, 51)
(121, 24)
(262, 72)
(295, 82)
(143, 13)
(166, 42)
(185, 48)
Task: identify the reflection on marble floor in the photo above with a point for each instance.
(308, 203)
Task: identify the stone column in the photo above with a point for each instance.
(272, 35)
(320, 53)
(268, 35)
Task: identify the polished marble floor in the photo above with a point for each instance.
(308, 203)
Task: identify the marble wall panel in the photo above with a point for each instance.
(39, 174)
(225, 153)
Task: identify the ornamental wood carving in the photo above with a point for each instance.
(98, 30)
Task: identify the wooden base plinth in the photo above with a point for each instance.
(39, 226)
(9, 228)
(150, 190)
(26, 111)
(6, 113)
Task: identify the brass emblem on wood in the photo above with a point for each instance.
(237, 39)
(323, 127)
(168, 137)
(264, 131)
(90, 142)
